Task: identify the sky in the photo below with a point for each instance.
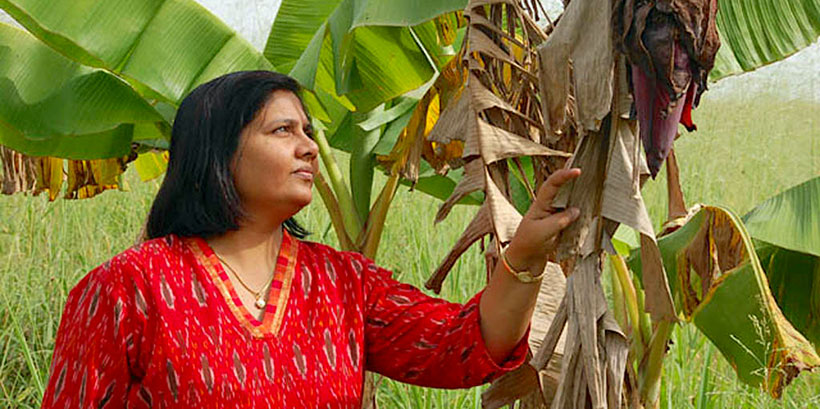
(797, 77)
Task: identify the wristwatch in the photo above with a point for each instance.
(523, 276)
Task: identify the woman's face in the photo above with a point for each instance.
(276, 160)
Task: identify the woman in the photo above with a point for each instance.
(227, 306)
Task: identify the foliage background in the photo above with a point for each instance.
(759, 134)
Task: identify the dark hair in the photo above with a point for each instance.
(198, 196)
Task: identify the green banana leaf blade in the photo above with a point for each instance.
(362, 50)
(53, 106)
(754, 33)
(786, 229)
(719, 284)
(790, 220)
(164, 48)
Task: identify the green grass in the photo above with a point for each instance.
(743, 153)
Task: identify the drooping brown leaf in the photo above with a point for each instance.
(578, 56)
(495, 114)
(585, 193)
(414, 142)
(610, 187)
(595, 350)
(677, 212)
(19, 172)
(464, 121)
(510, 387)
(88, 178)
(535, 382)
(471, 181)
(622, 203)
(505, 217)
(478, 228)
(83, 178)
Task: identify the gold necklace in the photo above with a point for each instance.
(257, 295)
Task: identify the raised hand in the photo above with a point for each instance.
(535, 236)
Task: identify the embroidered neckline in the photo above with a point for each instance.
(279, 288)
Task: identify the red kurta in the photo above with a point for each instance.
(161, 326)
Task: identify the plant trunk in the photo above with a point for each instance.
(651, 366)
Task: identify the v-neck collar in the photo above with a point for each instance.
(279, 289)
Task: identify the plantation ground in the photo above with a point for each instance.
(747, 150)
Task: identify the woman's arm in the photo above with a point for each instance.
(507, 304)
(423, 340)
(427, 341)
(99, 336)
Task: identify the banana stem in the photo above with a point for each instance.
(350, 219)
(361, 164)
(646, 322)
(630, 296)
(377, 217)
(651, 368)
(619, 304)
(336, 218)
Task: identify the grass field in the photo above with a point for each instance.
(743, 153)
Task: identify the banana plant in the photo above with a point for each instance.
(371, 97)
(606, 149)
(765, 265)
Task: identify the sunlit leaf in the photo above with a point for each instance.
(151, 165)
(790, 220)
(163, 47)
(754, 33)
(53, 106)
(374, 57)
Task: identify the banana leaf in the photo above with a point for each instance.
(53, 106)
(151, 165)
(790, 220)
(719, 284)
(786, 229)
(164, 48)
(754, 33)
(363, 50)
(441, 186)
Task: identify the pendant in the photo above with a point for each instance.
(260, 303)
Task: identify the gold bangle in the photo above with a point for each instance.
(522, 276)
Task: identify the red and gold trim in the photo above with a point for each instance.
(277, 295)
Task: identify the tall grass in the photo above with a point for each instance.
(746, 151)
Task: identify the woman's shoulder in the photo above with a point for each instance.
(148, 253)
(359, 267)
(133, 263)
(309, 248)
(324, 251)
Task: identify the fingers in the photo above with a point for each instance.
(550, 187)
(559, 221)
